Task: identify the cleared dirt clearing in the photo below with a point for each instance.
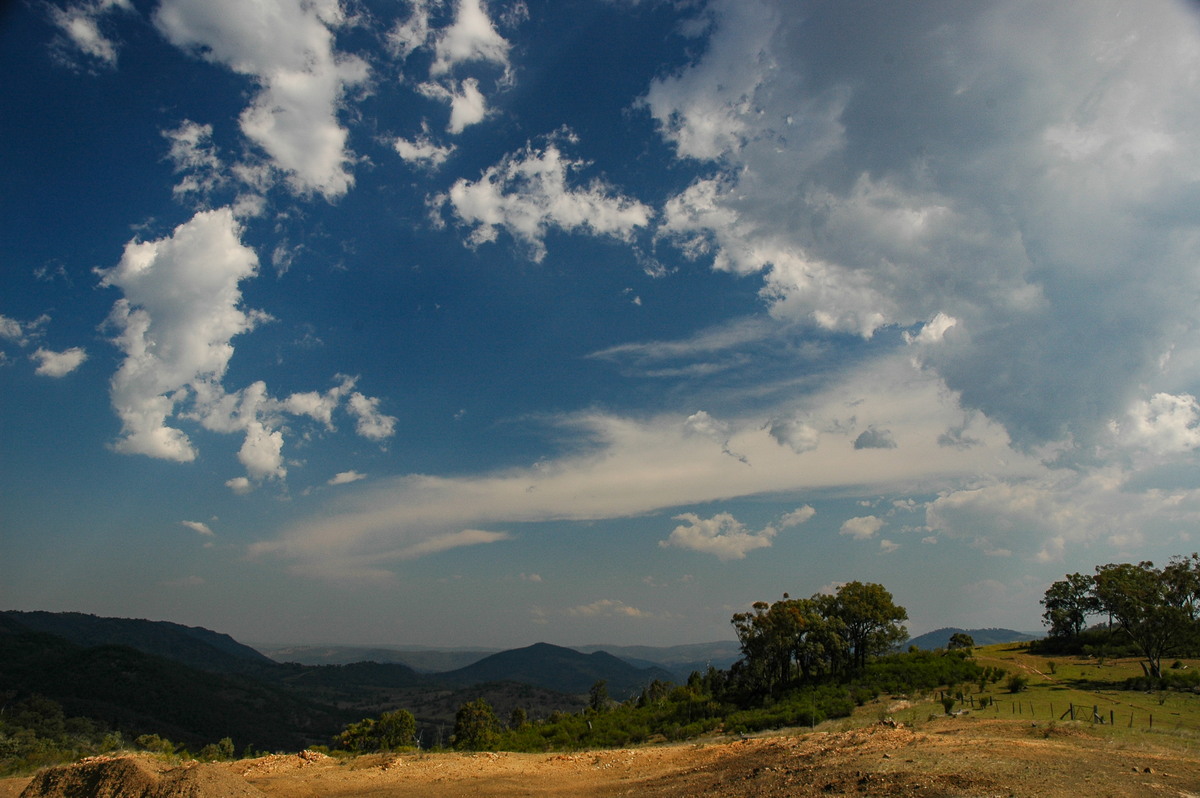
(950, 757)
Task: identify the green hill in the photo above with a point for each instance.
(194, 646)
(139, 693)
(564, 670)
(940, 638)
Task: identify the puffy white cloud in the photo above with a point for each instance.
(51, 363)
(240, 485)
(467, 103)
(797, 434)
(1007, 176)
(422, 152)
(1164, 424)
(862, 527)
(287, 47)
(472, 37)
(370, 423)
(722, 536)
(528, 193)
(933, 330)
(262, 452)
(701, 423)
(180, 311)
(706, 110)
(320, 406)
(58, 364)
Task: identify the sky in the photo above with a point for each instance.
(489, 322)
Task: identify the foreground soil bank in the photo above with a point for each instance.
(951, 757)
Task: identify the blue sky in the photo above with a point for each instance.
(452, 322)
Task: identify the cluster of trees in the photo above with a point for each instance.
(804, 660)
(391, 731)
(35, 732)
(1154, 609)
(802, 641)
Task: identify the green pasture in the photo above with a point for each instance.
(1094, 687)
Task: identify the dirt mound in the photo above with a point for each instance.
(137, 777)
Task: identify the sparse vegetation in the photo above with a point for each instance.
(1154, 612)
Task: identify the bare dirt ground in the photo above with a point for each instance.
(951, 757)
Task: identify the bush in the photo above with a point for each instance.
(1017, 683)
(476, 727)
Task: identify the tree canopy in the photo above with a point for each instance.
(1155, 608)
(794, 640)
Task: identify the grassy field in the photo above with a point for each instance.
(1093, 688)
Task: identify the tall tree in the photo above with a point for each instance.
(1068, 604)
(1142, 602)
(872, 619)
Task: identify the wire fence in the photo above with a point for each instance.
(1161, 719)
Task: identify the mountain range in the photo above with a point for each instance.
(195, 686)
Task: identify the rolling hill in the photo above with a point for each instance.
(139, 693)
(556, 668)
(193, 646)
(940, 638)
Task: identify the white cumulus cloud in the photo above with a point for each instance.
(58, 364)
(723, 536)
(1018, 209)
(862, 527)
(287, 47)
(528, 193)
(180, 312)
